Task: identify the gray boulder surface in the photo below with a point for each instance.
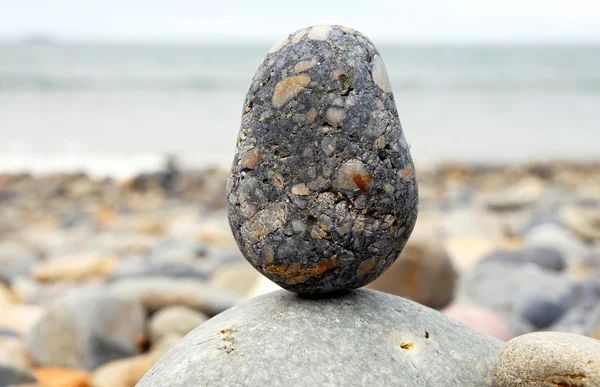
(361, 338)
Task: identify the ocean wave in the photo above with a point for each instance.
(45, 83)
(492, 85)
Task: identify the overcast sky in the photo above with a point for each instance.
(402, 21)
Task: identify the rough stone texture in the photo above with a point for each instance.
(364, 337)
(322, 194)
(86, 329)
(423, 273)
(10, 375)
(549, 359)
(174, 319)
(156, 293)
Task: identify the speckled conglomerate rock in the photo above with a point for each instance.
(322, 194)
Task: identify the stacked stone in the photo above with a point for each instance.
(322, 198)
(322, 194)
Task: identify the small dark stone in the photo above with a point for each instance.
(322, 194)
(12, 376)
(541, 312)
(9, 333)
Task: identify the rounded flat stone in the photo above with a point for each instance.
(322, 194)
(362, 338)
(549, 359)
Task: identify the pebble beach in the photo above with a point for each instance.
(324, 254)
(99, 278)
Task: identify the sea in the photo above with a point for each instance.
(119, 109)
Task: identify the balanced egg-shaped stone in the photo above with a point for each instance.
(322, 194)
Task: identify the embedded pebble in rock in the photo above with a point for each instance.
(322, 194)
(549, 359)
(380, 340)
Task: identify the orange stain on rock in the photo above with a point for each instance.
(296, 274)
(362, 182)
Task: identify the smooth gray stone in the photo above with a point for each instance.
(142, 267)
(86, 329)
(158, 292)
(11, 375)
(547, 258)
(556, 236)
(502, 287)
(178, 248)
(540, 311)
(592, 323)
(322, 194)
(549, 359)
(362, 338)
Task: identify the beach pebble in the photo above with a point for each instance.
(555, 236)
(508, 201)
(423, 273)
(14, 351)
(11, 375)
(142, 267)
(481, 319)
(592, 323)
(155, 293)
(585, 222)
(174, 319)
(322, 194)
(238, 278)
(178, 250)
(380, 340)
(20, 318)
(549, 359)
(86, 329)
(124, 372)
(547, 258)
(502, 287)
(6, 295)
(76, 267)
(16, 259)
(55, 377)
(573, 321)
(539, 310)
